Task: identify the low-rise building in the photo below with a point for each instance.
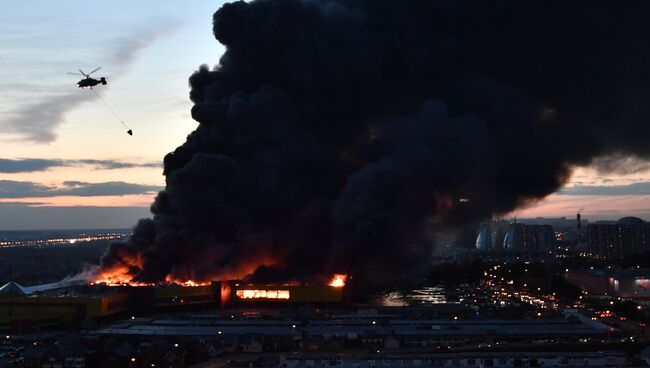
(471, 359)
(622, 283)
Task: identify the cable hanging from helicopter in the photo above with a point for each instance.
(91, 82)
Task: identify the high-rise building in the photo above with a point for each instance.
(522, 237)
(578, 229)
(504, 236)
(491, 234)
(627, 236)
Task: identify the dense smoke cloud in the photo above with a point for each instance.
(333, 134)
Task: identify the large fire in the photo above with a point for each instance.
(338, 280)
(121, 275)
(116, 277)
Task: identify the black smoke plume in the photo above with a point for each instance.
(334, 134)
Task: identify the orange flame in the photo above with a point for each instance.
(338, 280)
(116, 277)
(171, 280)
(121, 275)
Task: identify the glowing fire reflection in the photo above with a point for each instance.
(338, 280)
(263, 294)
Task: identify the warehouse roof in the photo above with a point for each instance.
(12, 288)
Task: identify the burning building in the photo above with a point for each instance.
(339, 138)
(75, 304)
(289, 294)
(144, 299)
(262, 294)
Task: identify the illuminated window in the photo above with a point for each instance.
(263, 294)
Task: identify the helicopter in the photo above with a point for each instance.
(89, 82)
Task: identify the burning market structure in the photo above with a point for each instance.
(78, 304)
(336, 136)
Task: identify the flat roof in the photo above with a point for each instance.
(285, 327)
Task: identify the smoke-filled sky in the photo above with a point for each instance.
(66, 162)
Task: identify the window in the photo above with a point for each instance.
(263, 294)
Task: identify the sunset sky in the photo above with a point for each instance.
(67, 162)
